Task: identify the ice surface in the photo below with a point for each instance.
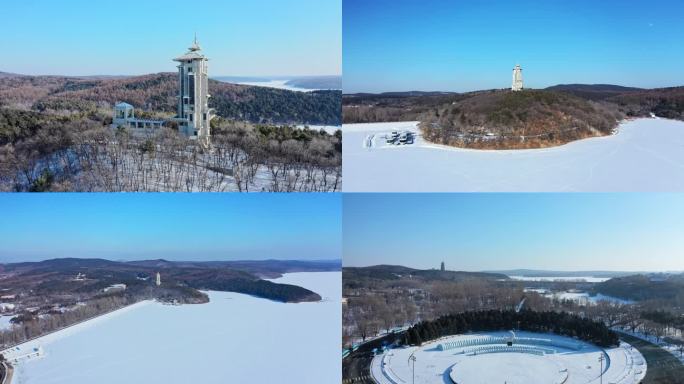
(279, 84)
(645, 155)
(622, 365)
(5, 322)
(234, 338)
(589, 279)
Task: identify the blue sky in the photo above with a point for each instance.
(131, 37)
(224, 226)
(625, 232)
(464, 45)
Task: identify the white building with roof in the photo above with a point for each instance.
(124, 117)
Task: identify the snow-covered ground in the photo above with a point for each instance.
(234, 338)
(580, 297)
(5, 322)
(560, 360)
(645, 155)
(589, 279)
(584, 298)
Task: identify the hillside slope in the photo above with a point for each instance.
(361, 276)
(56, 277)
(157, 92)
(526, 119)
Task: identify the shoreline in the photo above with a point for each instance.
(358, 127)
(65, 352)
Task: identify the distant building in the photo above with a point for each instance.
(517, 79)
(124, 117)
(194, 114)
(115, 287)
(158, 279)
(441, 267)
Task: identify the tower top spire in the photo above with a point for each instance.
(195, 45)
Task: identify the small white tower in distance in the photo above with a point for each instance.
(517, 79)
(158, 279)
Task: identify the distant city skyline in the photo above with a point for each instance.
(128, 37)
(182, 227)
(480, 232)
(443, 45)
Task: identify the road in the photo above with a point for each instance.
(661, 366)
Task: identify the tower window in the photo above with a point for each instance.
(189, 69)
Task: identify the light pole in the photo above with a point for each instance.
(601, 358)
(413, 360)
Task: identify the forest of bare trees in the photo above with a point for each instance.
(384, 306)
(39, 326)
(44, 152)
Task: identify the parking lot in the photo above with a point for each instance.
(400, 138)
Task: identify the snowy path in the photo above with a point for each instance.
(645, 155)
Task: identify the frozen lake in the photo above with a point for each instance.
(645, 155)
(589, 279)
(233, 339)
(279, 84)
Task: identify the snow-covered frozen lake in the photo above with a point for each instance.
(234, 338)
(645, 155)
(554, 359)
(279, 84)
(589, 279)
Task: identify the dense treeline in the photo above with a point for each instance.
(158, 92)
(668, 289)
(664, 102)
(35, 326)
(560, 323)
(668, 318)
(409, 106)
(269, 105)
(526, 119)
(261, 288)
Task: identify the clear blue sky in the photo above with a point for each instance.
(131, 37)
(464, 45)
(222, 226)
(472, 232)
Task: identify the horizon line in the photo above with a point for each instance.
(513, 269)
(504, 88)
(170, 260)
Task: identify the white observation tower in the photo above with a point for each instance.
(517, 79)
(194, 114)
